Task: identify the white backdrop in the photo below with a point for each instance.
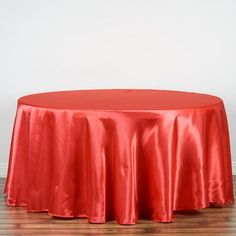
(50, 45)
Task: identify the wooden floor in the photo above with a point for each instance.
(210, 221)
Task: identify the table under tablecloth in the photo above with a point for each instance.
(119, 154)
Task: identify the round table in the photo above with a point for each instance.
(119, 154)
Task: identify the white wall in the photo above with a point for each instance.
(73, 44)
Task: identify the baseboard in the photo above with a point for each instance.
(3, 169)
(234, 167)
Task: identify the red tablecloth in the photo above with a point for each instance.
(119, 154)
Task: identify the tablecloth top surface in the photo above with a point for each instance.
(120, 99)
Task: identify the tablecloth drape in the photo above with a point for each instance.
(123, 163)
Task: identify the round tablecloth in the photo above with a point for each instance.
(119, 154)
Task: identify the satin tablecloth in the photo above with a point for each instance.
(119, 154)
